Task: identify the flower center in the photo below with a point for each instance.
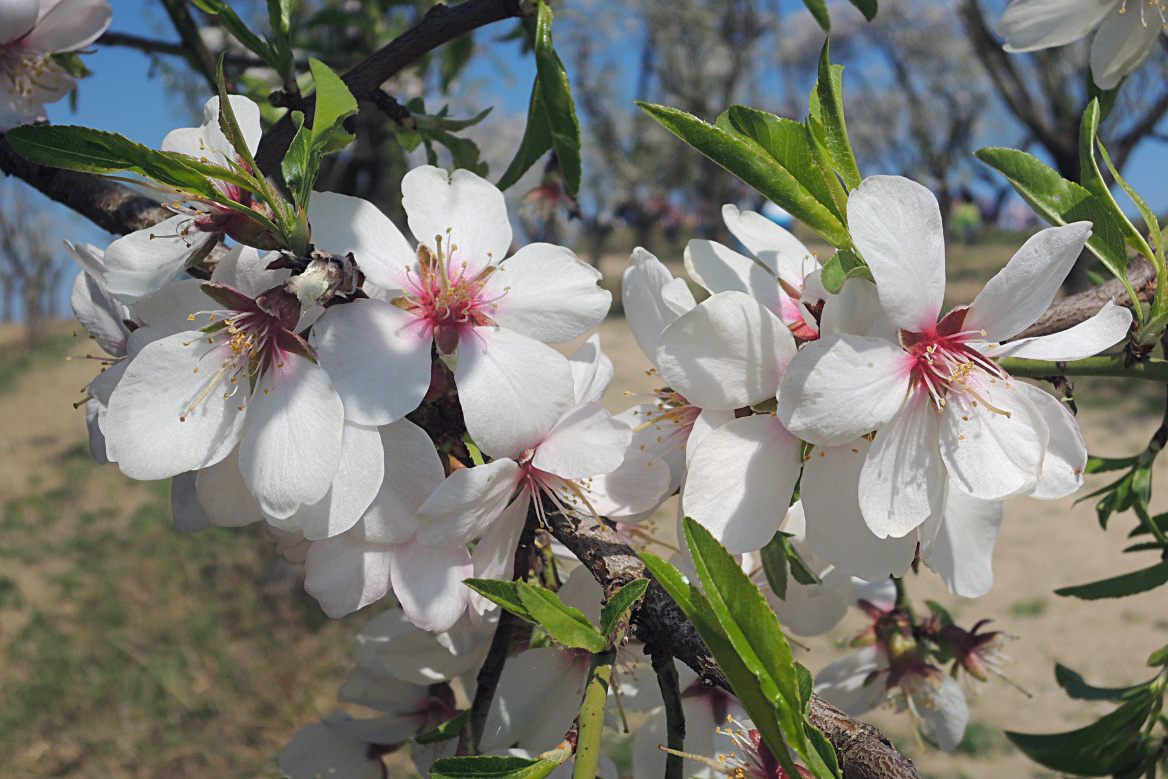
(1143, 7)
(249, 347)
(945, 362)
(674, 416)
(447, 294)
(29, 72)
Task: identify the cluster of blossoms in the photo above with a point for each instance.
(284, 390)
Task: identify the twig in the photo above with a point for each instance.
(667, 680)
(197, 53)
(440, 25)
(1074, 309)
(171, 49)
(393, 110)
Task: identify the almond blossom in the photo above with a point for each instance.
(31, 32)
(943, 408)
(1126, 32)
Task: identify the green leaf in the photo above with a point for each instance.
(1093, 181)
(1150, 220)
(940, 611)
(1120, 586)
(758, 170)
(867, 7)
(463, 151)
(1061, 202)
(620, 604)
(94, 151)
(818, 9)
(559, 108)
(831, 105)
(806, 685)
(843, 265)
(444, 732)
(536, 142)
(1159, 657)
(297, 166)
(784, 141)
(482, 767)
(506, 594)
(774, 565)
(567, 625)
(334, 101)
(1111, 745)
(799, 567)
(234, 25)
(1103, 464)
(1077, 687)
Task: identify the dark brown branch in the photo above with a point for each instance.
(662, 626)
(440, 25)
(171, 49)
(109, 205)
(1072, 310)
(195, 49)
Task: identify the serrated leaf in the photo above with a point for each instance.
(444, 732)
(774, 566)
(867, 7)
(506, 594)
(1112, 744)
(829, 88)
(754, 168)
(536, 142)
(818, 9)
(1076, 687)
(94, 151)
(1060, 202)
(567, 625)
(1094, 183)
(334, 101)
(620, 604)
(1120, 586)
(484, 767)
(559, 108)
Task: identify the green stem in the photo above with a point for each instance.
(1103, 365)
(670, 685)
(591, 717)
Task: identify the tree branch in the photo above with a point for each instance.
(1073, 309)
(440, 25)
(662, 626)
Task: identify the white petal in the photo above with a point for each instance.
(342, 224)
(707, 422)
(1021, 292)
(784, 254)
(842, 683)
(1122, 44)
(1107, 328)
(427, 582)
(246, 270)
(896, 224)
(494, 555)
(70, 25)
(356, 484)
(591, 370)
(641, 483)
(740, 481)
(537, 698)
(467, 502)
(512, 388)
(292, 447)
(547, 293)
(102, 316)
(377, 357)
(726, 353)
(345, 573)
(471, 207)
(646, 310)
(814, 609)
(856, 310)
(721, 269)
(89, 257)
(1066, 452)
(1041, 24)
(585, 442)
(373, 688)
(144, 428)
(940, 705)
(391, 644)
(17, 18)
(140, 263)
(991, 455)
(842, 387)
(223, 496)
(318, 751)
(836, 530)
(94, 416)
(412, 472)
(168, 311)
(902, 482)
(962, 549)
(188, 517)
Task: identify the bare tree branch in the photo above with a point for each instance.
(1073, 309)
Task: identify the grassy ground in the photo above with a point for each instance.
(130, 650)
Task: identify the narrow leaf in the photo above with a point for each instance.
(867, 7)
(444, 732)
(818, 9)
(483, 767)
(1093, 180)
(536, 142)
(1076, 687)
(558, 105)
(1110, 745)
(829, 89)
(506, 594)
(620, 604)
(565, 624)
(1120, 586)
(774, 566)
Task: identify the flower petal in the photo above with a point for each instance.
(896, 224)
(494, 554)
(151, 429)
(641, 483)
(168, 311)
(1107, 328)
(585, 442)
(836, 529)
(342, 224)
(782, 253)
(962, 549)
(140, 263)
(940, 706)
(726, 353)
(17, 18)
(591, 370)
(246, 270)
(318, 751)
(740, 481)
(412, 475)
(1122, 44)
(547, 293)
(357, 483)
(848, 683)
(377, 358)
(223, 496)
(646, 309)
(856, 310)
(1066, 452)
(69, 25)
(468, 206)
(993, 445)
(1021, 292)
(721, 269)
(102, 316)
(292, 447)
(513, 389)
(427, 582)
(465, 505)
(903, 481)
(188, 517)
(533, 704)
(1028, 25)
(345, 573)
(842, 387)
